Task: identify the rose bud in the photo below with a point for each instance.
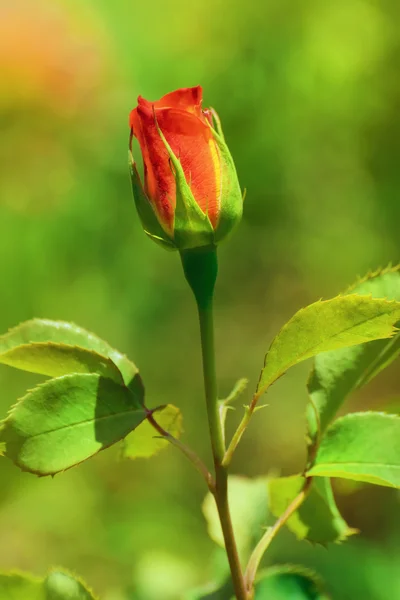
(191, 196)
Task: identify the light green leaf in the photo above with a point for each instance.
(55, 360)
(318, 519)
(19, 586)
(66, 420)
(288, 583)
(60, 585)
(338, 373)
(145, 441)
(329, 325)
(212, 592)
(248, 499)
(38, 331)
(363, 447)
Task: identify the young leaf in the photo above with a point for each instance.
(318, 519)
(55, 360)
(328, 325)
(144, 441)
(336, 374)
(363, 447)
(248, 499)
(60, 332)
(60, 585)
(66, 420)
(288, 582)
(18, 586)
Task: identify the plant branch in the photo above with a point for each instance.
(218, 447)
(200, 268)
(188, 452)
(270, 534)
(237, 436)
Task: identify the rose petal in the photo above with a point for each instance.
(188, 99)
(192, 142)
(158, 176)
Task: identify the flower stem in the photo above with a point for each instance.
(218, 447)
(200, 267)
(269, 535)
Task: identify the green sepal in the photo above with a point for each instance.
(231, 208)
(147, 214)
(192, 227)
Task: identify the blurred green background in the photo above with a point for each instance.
(308, 92)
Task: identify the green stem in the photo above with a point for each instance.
(270, 534)
(218, 448)
(200, 269)
(210, 382)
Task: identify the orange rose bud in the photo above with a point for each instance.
(191, 196)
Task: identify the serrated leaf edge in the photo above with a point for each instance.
(290, 569)
(52, 322)
(12, 409)
(372, 275)
(262, 390)
(52, 344)
(74, 576)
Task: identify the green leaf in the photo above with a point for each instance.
(212, 592)
(18, 586)
(288, 583)
(64, 586)
(66, 420)
(145, 441)
(329, 325)
(338, 373)
(58, 585)
(363, 447)
(248, 499)
(55, 360)
(318, 519)
(38, 331)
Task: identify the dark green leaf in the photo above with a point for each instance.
(339, 372)
(66, 420)
(363, 447)
(329, 325)
(288, 583)
(145, 441)
(318, 519)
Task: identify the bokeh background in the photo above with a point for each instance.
(308, 92)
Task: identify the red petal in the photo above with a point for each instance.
(188, 99)
(192, 142)
(158, 176)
